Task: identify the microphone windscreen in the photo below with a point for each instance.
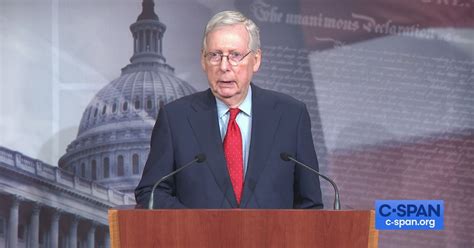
(200, 157)
(285, 156)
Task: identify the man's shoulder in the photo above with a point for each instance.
(201, 97)
(277, 99)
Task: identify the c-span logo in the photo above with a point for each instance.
(409, 214)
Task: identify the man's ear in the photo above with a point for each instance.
(203, 60)
(258, 60)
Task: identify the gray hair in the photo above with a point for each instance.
(226, 18)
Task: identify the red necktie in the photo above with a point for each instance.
(233, 153)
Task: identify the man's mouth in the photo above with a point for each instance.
(225, 83)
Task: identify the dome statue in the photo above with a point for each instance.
(113, 140)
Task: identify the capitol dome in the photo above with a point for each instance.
(113, 141)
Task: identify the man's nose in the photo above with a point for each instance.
(224, 65)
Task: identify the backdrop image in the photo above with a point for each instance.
(389, 86)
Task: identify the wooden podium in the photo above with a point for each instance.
(242, 228)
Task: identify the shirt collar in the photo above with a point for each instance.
(245, 107)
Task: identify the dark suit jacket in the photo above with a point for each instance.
(189, 126)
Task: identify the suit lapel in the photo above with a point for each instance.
(206, 129)
(265, 121)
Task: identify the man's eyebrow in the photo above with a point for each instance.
(230, 51)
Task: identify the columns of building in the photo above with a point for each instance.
(160, 44)
(107, 239)
(147, 41)
(34, 228)
(13, 223)
(135, 46)
(154, 44)
(55, 228)
(73, 232)
(91, 235)
(34, 225)
(142, 41)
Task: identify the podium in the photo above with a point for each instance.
(242, 228)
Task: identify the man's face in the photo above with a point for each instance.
(228, 82)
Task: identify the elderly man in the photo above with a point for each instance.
(241, 128)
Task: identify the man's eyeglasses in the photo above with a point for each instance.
(234, 58)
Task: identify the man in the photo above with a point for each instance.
(241, 128)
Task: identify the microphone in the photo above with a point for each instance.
(337, 203)
(197, 159)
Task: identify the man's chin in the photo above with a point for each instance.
(226, 96)
(227, 93)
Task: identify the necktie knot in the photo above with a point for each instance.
(233, 113)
